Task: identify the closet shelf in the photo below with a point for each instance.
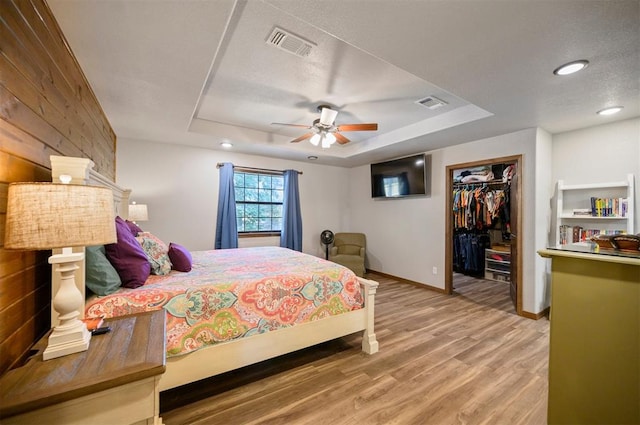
(491, 182)
(491, 260)
(498, 270)
(489, 269)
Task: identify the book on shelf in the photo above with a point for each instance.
(609, 207)
(571, 234)
(574, 234)
(582, 212)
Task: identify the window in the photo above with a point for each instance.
(391, 186)
(258, 202)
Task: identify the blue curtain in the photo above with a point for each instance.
(291, 234)
(226, 226)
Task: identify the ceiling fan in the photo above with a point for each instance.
(324, 130)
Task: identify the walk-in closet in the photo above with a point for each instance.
(483, 205)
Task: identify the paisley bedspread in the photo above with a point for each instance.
(235, 293)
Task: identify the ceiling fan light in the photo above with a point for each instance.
(328, 116)
(315, 139)
(326, 142)
(331, 138)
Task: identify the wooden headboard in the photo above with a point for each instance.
(81, 172)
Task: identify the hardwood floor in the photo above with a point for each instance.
(460, 359)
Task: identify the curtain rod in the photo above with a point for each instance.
(263, 170)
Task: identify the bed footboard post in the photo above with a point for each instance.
(369, 341)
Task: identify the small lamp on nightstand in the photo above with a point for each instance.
(43, 216)
(138, 212)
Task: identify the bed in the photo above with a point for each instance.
(253, 280)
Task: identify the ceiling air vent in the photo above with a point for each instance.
(431, 102)
(290, 43)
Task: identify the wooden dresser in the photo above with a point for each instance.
(114, 382)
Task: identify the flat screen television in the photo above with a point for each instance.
(408, 176)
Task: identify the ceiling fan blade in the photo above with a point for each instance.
(341, 139)
(291, 125)
(303, 137)
(358, 127)
(328, 116)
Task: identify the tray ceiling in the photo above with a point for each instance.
(200, 73)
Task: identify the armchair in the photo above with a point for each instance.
(349, 250)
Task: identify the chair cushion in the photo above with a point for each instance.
(355, 263)
(349, 250)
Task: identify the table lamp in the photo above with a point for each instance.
(43, 216)
(138, 212)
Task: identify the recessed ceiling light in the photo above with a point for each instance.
(571, 67)
(312, 157)
(226, 145)
(610, 111)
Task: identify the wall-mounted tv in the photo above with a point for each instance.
(408, 176)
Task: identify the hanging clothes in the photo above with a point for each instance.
(468, 252)
(477, 207)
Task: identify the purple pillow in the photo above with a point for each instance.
(128, 257)
(135, 229)
(180, 257)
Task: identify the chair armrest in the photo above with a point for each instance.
(334, 250)
(362, 251)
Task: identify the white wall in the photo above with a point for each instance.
(544, 187)
(180, 186)
(406, 237)
(605, 153)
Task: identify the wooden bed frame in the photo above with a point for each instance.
(227, 356)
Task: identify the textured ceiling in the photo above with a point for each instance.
(201, 72)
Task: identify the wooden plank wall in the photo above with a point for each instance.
(46, 108)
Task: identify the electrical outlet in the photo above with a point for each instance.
(435, 270)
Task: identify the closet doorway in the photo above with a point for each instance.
(511, 244)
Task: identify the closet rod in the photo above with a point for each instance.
(259, 170)
(457, 184)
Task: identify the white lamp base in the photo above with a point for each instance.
(60, 344)
(71, 335)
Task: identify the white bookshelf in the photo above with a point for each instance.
(572, 197)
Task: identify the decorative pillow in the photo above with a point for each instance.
(100, 277)
(135, 229)
(180, 257)
(150, 235)
(128, 257)
(157, 253)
